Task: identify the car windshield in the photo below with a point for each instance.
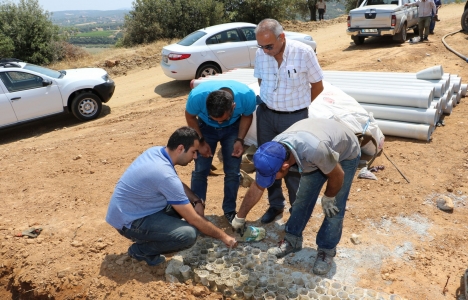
(42, 70)
(191, 38)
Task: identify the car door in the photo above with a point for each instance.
(249, 34)
(7, 115)
(229, 49)
(29, 97)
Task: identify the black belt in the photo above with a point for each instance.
(287, 112)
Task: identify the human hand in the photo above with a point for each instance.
(238, 149)
(205, 150)
(238, 223)
(230, 241)
(329, 206)
(200, 209)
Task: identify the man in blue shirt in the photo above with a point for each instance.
(150, 200)
(220, 112)
(438, 5)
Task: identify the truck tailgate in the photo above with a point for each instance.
(372, 16)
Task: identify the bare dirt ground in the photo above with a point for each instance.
(58, 174)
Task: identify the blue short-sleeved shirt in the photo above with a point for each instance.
(244, 97)
(148, 185)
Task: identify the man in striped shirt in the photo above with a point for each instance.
(290, 78)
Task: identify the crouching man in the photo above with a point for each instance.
(322, 151)
(150, 200)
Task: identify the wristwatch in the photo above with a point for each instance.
(201, 201)
(240, 140)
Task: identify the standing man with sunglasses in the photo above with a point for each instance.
(220, 112)
(290, 78)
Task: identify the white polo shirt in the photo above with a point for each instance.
(287, 88)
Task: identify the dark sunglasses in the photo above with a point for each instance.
(267, 47)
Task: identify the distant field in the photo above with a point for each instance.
(105, 33)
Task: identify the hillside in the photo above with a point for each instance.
(58, 174)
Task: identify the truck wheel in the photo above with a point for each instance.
(358, 40)
(464, 21)
(416, 30)
(400, 37)
(86, 106)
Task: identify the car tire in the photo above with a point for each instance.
(207, 70)
(86, 106)
(358, 40)
(400, 37)
(464, 21)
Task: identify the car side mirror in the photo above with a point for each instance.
(46, 82)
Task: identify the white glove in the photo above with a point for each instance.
(238, 223)
(329, 206)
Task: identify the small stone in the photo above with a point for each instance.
(63, 273)
(77, 157)
(396, 181)
(355, 239)
(445, 203)
(101, 246)
(76, 244)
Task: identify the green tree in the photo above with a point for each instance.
(150, 20)
(29, 30)
(256, 10)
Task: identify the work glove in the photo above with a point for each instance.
(238, 224)
(329, 206)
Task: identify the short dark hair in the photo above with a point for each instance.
(219, 102)
(185, 136)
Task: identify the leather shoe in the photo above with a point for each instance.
(271, 214)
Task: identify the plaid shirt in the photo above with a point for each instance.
(287, 88)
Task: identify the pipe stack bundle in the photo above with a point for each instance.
(403, 104)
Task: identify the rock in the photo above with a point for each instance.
(101, 246)
(200, 291)
(445, 203)
(355, 239)
(77, 157)
(76, 244)
(63, 273)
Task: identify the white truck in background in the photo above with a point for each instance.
(382, 17)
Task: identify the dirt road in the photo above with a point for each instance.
(58, 174)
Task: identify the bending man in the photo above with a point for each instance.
(322, 151)
(225, 112)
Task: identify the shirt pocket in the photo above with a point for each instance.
(293, 76)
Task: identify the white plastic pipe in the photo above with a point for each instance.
(379, 76)
(435, 72)
(390, 97)
(454, 100)
(246, 81)
(404, 129)
(402, 113)
(463, 89)
(436, 105)
(449, 108)
(439, 88)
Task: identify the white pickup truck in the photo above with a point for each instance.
(382, 17)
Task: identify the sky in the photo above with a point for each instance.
(58, 5)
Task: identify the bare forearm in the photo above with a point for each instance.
(315, 90)
(335, 181)
(192, 122)
(244, 126)
(190, 195)
(206, 227)
(251, 198)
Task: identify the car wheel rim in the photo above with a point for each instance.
(208, 72)
(88, 107)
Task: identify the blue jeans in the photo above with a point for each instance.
(269, 125)
(159, 233)
(310, 185)
(226, 136)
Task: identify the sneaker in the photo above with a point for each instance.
(154, 260)
(230, 216)
(323, 263)
(425, 39)
(271, 214)
(283, 249)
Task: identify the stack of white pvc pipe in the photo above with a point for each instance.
(403, 104)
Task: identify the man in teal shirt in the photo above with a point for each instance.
(221, 112)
